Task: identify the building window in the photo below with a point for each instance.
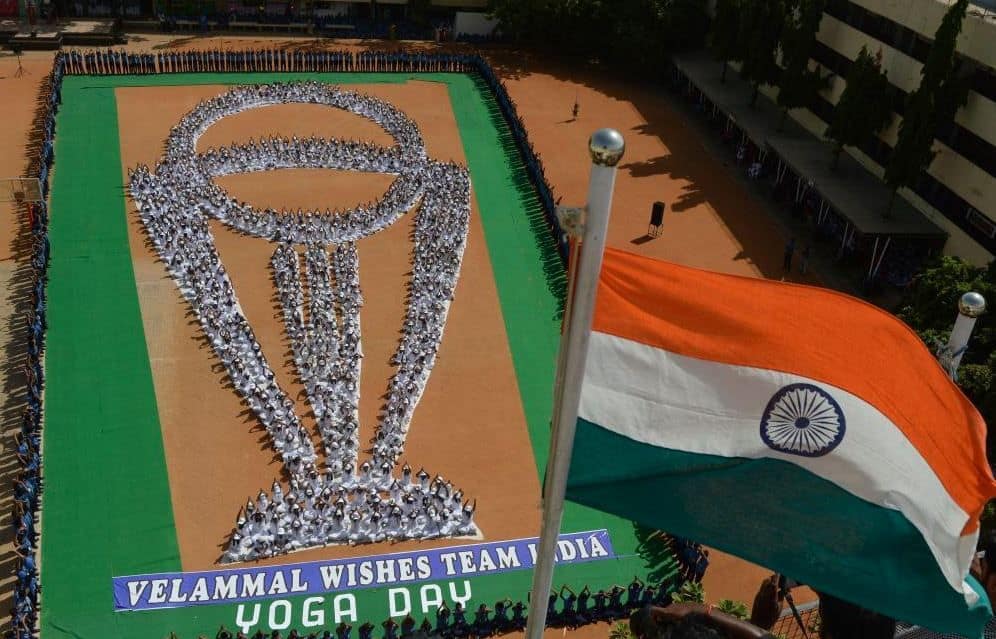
(981, 222)
(984, 83)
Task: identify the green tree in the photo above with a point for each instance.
(689, 592)
(733, 608)
(798, 84)
(760, 28)
(629, 33)
(521, 20)
(930, 307)
(686, 23)
(621, 631)
(940, 94)
(864, 108)
(726, 33)
(636, 28)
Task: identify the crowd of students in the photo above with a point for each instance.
(342, 502)
(574, 609)
(109, 62)
(124, 62)
(28, 481)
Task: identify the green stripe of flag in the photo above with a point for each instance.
(779, 515)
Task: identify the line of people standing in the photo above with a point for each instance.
(27, 441)
(124, 62)
(534, 166)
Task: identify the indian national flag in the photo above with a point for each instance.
(792, 426)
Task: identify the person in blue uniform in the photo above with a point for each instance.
(442, 620)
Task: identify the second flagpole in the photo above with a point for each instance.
(606, 147)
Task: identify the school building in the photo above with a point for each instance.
(958, 192)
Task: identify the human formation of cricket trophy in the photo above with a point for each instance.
(340, 500)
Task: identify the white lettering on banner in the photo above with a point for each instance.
(296, 584)
(240, 618)
(285, 606)
(597, 549)
(406, 570)
(135, 590)
(174, 593)
(385, 572)
(566, 550)
(313, 617)
(392, 597)
(572, 549)
(430, 603)
(200, 592)
(252, 585)
(486, 563)
(318, 578)
(351, 574)
(158, 592)
(366, 573)
(331, 576)
(280, 613)
(424, 567)
(225, 587)
(277, 586)
(467, 562)
(508, 557)
(449, 558)
(344, 609)
(457, 598)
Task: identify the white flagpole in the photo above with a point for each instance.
(572, 263)
(606, 147)
(970, 307)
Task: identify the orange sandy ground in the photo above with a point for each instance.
(469, 425)
(713, 221)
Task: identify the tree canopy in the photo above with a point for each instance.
(865, 107)
(799, 85)
(761, 24)
(631, 33)
(930, 307)
(520, 19)
(940, 94)
(725, 38)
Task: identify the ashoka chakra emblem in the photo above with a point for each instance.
(802, 419)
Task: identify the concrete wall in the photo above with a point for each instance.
(474, 23)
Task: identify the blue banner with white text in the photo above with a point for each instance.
(178, 590)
